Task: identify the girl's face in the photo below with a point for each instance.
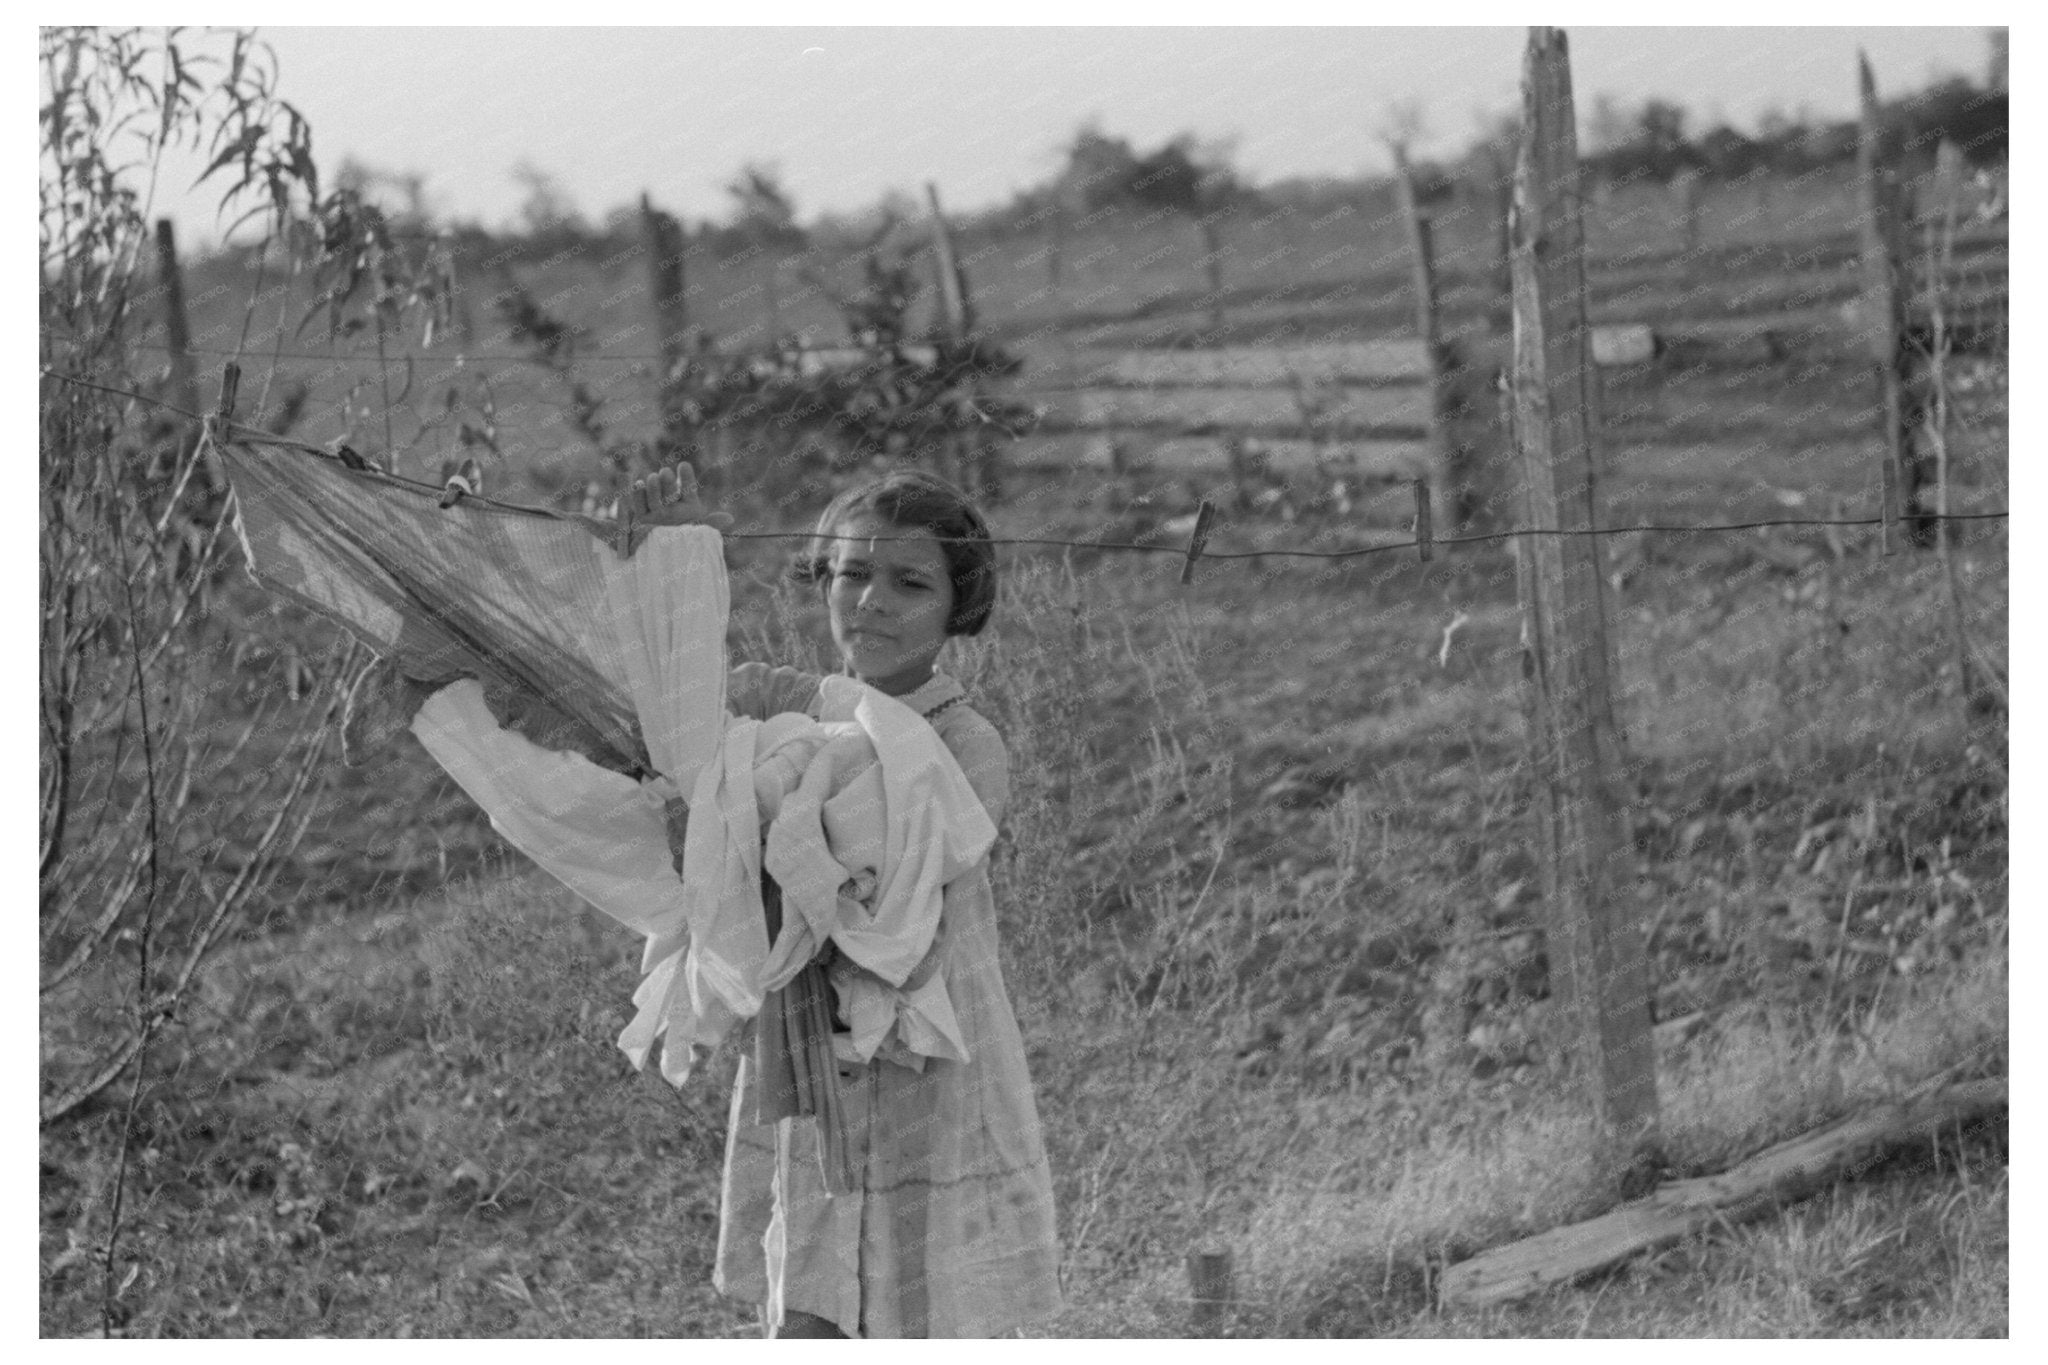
(889, 598)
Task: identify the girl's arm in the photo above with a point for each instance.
(983, 757)
(669, 498)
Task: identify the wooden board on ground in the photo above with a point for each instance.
(1789, 1171)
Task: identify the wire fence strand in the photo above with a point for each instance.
(256, 436)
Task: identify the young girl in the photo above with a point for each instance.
(950, 1230)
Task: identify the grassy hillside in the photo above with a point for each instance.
(1272, 930)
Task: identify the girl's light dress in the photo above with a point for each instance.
(951, 1233)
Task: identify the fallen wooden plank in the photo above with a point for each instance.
(1778, 1175)
(1339, 408)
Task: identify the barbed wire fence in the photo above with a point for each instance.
(1192, 552)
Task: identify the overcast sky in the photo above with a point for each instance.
(850, 113)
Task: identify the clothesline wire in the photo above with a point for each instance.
(256, 436)
(395, 356)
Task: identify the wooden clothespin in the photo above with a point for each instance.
(1197, 539)
(466, 481)
(1888, 512)
(1424, 542)
(224, 411)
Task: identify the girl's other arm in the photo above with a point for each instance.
(985, 760)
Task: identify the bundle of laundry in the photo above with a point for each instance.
(858, 817)
(861, 819)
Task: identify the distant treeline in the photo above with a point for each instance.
(1652, 144)
(1914, 125)
(1102, 175)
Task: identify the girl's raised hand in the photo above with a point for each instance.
(668, 497)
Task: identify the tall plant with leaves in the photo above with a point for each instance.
(183, 714)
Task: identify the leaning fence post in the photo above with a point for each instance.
(1595, 942)
(1882, 309)
(664, 241)
(1450, 459)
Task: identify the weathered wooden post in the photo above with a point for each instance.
(974, 454)
(1685, 197)
(177, 325)
(1502, 189)
(1450, 454)
(664, 239)
(1210, 1289)
(1882, 311)
(1212, 261)
(957, 308)
(1931, 369)
(178, 342)
(1595, 941)
(1978, 685)
(1055, 247)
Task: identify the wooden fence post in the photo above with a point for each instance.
(1930, 377)
(177, 325)
(1055, 247)
(957, 308)
(664, 239)
(1595, 942)
(1210, 1288)
(178, 342)
(1450, 456)
(1883, 313)
(974, 454)
(1685, 195)
(1212, 263)
(1503, 198)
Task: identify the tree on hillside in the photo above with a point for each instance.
(547, 211)
(1183, 175)
(1097, 173)
(1607, 124)
(402, 195)
(763, 215)
(1653, 148)
(1727, 154)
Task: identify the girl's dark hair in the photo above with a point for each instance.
(913, 500)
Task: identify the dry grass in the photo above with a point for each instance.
(415, 1122)
(1244, 819)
